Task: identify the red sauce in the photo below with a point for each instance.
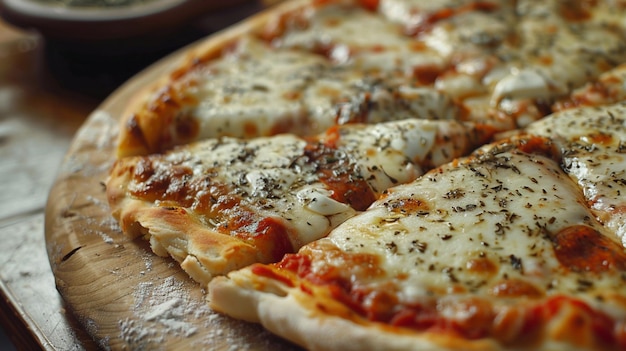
(426, 74)
(515, 288)
(481, 265)
(339, 175)
(272, 237)
(287, 125)
(268, 234)
(355, 192)
(603, 326)
(326, 49)
(332, 136)
(371, 5)
(583, 249)
(430, 19)
(593, 92)
(250, 129)
(537, 145)
(576, 11)
(298, 264)
(546, 60)
(268, 272)
(478, 318)
(601, 138)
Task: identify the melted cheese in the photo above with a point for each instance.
(233, 92)
(501, 245)
(529, 51)
(607, 89)
(300, 182)
(593, 143)
(509, 210)
(494, 234)
(361, 38)
(491, 62)
(306, 95)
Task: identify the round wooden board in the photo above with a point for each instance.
(123, 295)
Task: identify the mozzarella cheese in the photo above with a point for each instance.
(469, 228)
(494, 62)
(256, 90)
(593, 143)
(361, 38)
(308, 186)
(609, 88)
(530, 52)
(500, 248)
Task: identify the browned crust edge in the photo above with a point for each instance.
(139, 126)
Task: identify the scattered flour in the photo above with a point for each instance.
(163, 310)
(170, 309)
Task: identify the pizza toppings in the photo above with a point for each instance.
(279, 193)
(337, 163)
(591, 141)
(439, 256)
(337, 62)
(607, 89)
(581, 249)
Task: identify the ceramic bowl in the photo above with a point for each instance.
(97, 23)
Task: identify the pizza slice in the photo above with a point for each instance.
(322, 63)
(495, 251)
(428, 43)
(255, 90)
(592, 141)
(554, 47)
(225, 203)
(503, 62)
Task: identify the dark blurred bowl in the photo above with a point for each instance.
(73, 23)
(94, 50)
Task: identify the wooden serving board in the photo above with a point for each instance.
(123, 295)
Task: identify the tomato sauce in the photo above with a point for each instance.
(583, 249)
(339, 175)
(480, 318)
(430, 19)
(537, 145)
(273, 235)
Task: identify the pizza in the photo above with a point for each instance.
(497, 250)
(394, 174)
(224, 203)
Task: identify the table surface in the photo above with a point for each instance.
(47, 90)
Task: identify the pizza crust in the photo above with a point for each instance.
(291, 314)
(288, 314)
(172, 231)
(142, 125)
(201, 252)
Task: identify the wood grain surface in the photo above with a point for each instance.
(36, 126)
(123, 295)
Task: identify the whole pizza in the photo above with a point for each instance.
(394, 174)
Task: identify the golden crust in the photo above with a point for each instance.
(293, 315)
(150, 112)
(201, 251)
